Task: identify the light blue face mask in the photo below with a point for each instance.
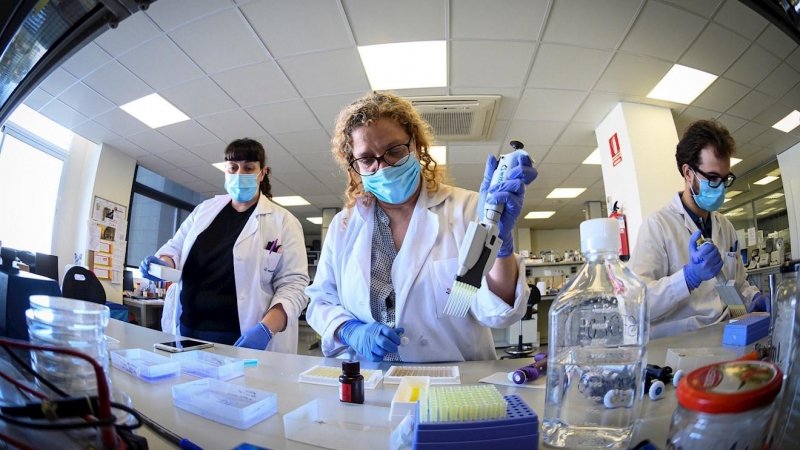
(394, 184)
(241, 187)
(709, 199)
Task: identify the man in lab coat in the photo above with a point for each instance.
(680, 275)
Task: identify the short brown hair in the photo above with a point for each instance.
(699, 135)
(247, 149)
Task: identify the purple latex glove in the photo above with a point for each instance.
(705, 262)
(372, 341)
(759, 303)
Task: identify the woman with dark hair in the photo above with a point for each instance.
(243, 262)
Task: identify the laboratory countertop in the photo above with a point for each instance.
(278, 372)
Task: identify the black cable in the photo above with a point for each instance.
(33, 373)
(155, 426)
(132, 411)
(57, 426)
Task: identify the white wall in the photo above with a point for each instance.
(558, 240)
(789, 163)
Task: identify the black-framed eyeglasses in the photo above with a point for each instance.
(714, 180)
(395, 156)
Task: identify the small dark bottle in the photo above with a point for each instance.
(351, 383)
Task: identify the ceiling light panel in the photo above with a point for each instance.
(405, 65)
(593, 158)
(566, 192)
(788, 123)
(682, 84)
(539, 214)
(292, 200)
(154, 111)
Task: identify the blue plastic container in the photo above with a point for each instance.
(746, 331)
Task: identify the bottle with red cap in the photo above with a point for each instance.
(725, 405)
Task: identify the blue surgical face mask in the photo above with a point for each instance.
(709, 199)
(241, 187)
(394, 184)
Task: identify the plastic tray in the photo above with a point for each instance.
(689, 359)
(437, 374)
(146, 365)
(403, 401)
(209, 365)
(329, 376)
(231, 404)
(341, 426)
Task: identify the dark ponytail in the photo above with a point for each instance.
(247, 149)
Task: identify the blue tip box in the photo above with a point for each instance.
(746, 331)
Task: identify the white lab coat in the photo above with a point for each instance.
(262, 279)
(662, 249)
(423, 271)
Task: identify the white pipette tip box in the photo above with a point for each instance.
(227, 403)
(407, 395)
(329, 376)
(165, 273)
(145, 365)
(209, 365)
(437, 374)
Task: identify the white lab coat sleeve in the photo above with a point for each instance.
(291, 275)
(174, 247)
(325, 311)
(650, 262)
(491, 311)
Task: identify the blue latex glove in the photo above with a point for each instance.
(145, 265)
(372, 341)
(256, 338)
(705, 262)
(759, 303)
(510, 192)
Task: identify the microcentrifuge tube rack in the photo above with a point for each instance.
(437, 374)
(329, 376)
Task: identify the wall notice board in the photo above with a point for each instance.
(107, 239)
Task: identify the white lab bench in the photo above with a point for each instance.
(278, 373)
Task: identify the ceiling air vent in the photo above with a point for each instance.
(459, 118)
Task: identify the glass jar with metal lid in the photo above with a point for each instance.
(725, 405)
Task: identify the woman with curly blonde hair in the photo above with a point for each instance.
(390, 258)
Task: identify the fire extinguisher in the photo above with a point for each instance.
(624, 253)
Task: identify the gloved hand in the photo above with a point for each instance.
(372, 341)
(759, 303)
(510, 192)
(256, 338)
(145, 265)
(705, 262)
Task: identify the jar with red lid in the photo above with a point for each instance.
(726, 405)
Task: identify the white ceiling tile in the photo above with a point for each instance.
(507, 104)
(333, 177)
(632, 75)
(316, 161)
(128, 147)
(160, 64)
(94, 132)
(327, 108)
(714, 50)
(468, 176)
(773, 114)
(777, 42)
(118, 84)
(588, 171)
(784, 143)
(721, 95)
(188, 134)
(676, 108)
(257, 84)
(302, 183)
(37, 99)
(792, 98)
(565, 154)
(471, 154)
(511, 19)
(154, 163)
(342, 68)
(732, 123)
(794, 59)
(201, 186)
(212, 153)
(535, 133)
(121, 122)
(84, 100)
(62, 114)
(575, 182)
(548, 104)
(578, 133)
(748, 132)
(740, 19)
(703, 7)
(305, 210)
(200, 97)
(691, 114)
(219, 42)
(417, 92)
(500, 129)
(183, 158)
(751, 105)
(753, 66)
(284, 117)
(768, 137)
(314, 141)
(662, 31)
(174, 13)
(567, 67)
(547, 181)
(283, 165)
(208, 173)
(598, 105)
(427, 17)
(57, 82)
(324, 201)
(131, 32)
(300, 26)
(489, 63)
(153, 141)
(231, 125)
(537, 152)
(779, 81)
(602, 23)
(279, 188)
(178, 176)
(271, 146)
(556, 170)
(86, 60)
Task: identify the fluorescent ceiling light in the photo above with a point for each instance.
(726, 200)
(292, 200)
(682, 85)
(735, 161)
(788, 123)
(566, 192)
(539, 214)
(315, 220)
(731, 194)
(776, 195)
(154, 111)
(42, 126)
(220, 166)
(439, 154)
(775, 173)
(766, 180)
(405, 65)
(593, 158)
(771, 202)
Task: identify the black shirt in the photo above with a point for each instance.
(208, 294)
(702, 224)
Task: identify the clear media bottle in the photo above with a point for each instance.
(598, 334)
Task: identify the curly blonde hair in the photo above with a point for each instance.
(364, 111)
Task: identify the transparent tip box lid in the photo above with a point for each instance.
(227, 403)
(329, 376)
(146, 365)
(437, 374)
(204, 364)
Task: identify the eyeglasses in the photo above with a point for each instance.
(395, 156)
(714, 181)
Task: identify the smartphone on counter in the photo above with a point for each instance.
(184, 345)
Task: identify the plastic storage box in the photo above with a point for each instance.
(146, 365)
(165, 273)
(689, 359)
(437, 374)
(746, 331)
(209, 365)
(407, 395)
(329, 376)
(231, 404)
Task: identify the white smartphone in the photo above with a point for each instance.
(184, 345)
